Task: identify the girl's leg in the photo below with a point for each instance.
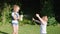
(43, 33)
(16, 29)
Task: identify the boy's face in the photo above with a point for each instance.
(16, 9)
(45, 18)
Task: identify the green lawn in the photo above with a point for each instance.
(29, 29)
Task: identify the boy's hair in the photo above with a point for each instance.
(43, 15)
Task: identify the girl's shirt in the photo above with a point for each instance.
(17, 15)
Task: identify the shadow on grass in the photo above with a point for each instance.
(3, 32)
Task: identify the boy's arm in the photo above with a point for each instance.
(35, 20)
(39, 18)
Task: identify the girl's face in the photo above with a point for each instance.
(16, 9)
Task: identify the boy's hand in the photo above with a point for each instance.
(33, 19)
(37, 15)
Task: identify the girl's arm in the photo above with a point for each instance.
(18, 17)
(15, 17)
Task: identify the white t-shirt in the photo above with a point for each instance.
(43, 27)
(15, 21)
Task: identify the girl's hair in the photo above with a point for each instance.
(14, 6)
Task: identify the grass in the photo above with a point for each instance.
(53, 29)
(29, 29)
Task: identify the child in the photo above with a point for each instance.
(15, 18)
(43, 22)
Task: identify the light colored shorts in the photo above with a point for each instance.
(43, 33)
(14, 23)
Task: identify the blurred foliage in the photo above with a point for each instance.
(47, 9)
(52, 21)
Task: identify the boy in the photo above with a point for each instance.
(15, 18)
(43, 22)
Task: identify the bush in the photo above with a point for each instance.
(27, 21)
(52, 21)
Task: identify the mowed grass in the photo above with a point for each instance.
(53, 29)
(29, 29)
(24, 29)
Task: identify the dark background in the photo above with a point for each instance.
(57, 9)
(33, 6)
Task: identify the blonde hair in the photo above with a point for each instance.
(16, 6)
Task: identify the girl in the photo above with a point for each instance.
(15, 18)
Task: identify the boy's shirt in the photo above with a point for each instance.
(17, 15)
(42, 26)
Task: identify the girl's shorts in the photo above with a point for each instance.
(14, 23)
(43, 33)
